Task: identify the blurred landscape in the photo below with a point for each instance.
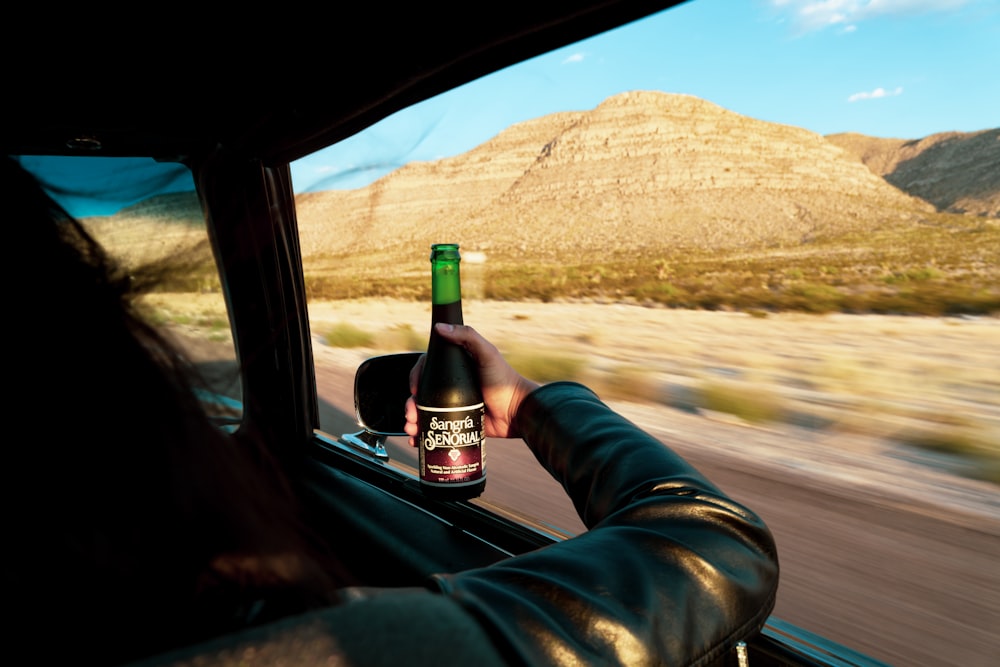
(886, 546)
(670, 202)
(664, 200)
(883, 388)
(813, 319)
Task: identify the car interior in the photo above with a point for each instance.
(139, 113)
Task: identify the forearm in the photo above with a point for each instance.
(671, 571)
(601, 459)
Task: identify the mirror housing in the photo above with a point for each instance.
(381, 387)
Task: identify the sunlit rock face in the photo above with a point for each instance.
(649, 170)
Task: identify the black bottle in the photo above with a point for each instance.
(449, 398)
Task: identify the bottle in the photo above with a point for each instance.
(449, 398)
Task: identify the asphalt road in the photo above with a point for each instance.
(879, 552)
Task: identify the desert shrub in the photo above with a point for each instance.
(960, 441)
(338, 287)
(987, 470)
(913, 274)
(812, 298)
(401, 337)
(742, 400)
(158, 317)
(953, 441)
(542, 366)
(662, 293)
(628, 383)
(345, 334)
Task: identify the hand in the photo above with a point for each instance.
(503, 387)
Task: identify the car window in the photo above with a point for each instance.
(124, 203)
(793, 308)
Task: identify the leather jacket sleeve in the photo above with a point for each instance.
(670, 572)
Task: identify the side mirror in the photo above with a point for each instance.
(381, 387)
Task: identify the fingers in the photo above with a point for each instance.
(481, 349)
(415, 374)
(503, 387)
(410, 427)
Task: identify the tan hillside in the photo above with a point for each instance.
(957, 172)
(149, 230)
(642, 170)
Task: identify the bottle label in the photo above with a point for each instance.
(451, 445)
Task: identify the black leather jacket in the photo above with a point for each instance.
(670, 572)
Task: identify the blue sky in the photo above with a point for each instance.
(903, 69)
(886, 68)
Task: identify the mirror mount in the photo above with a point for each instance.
(371, 444)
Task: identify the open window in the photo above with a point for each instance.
(732, 339)
(147, 217)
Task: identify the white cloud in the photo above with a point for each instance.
(811, 15)
(875, 94)
(575, 58)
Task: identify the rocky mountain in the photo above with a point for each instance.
(957, 172)
(647, 170)
(643, 171)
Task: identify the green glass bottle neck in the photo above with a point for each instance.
(446, 284)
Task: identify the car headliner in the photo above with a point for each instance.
(172, 87)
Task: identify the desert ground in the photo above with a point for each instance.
(856, 391)
(872, 375)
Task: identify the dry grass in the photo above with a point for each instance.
(948, 266)
(924, 382)
(900, 378)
